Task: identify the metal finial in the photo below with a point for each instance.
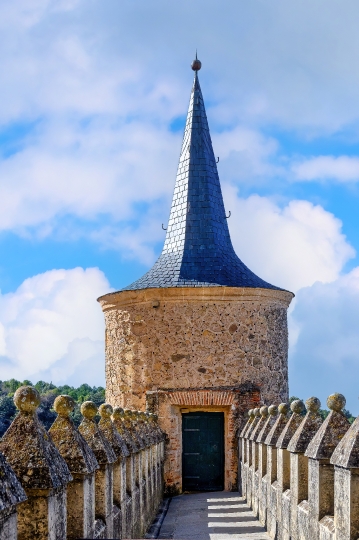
(196, 64)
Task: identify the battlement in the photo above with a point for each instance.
(102, 480)
(300, 474)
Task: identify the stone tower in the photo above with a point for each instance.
(199, 331)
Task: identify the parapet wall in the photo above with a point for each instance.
(103, 480)
(300, 474)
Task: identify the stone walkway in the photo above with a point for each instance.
(211, 516)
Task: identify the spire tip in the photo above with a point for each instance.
(196, 64)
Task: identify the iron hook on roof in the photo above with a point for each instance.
(164, 228)
(229, 215)
(217, 160)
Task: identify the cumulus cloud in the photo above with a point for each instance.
(52, 328)
(85, 173)
(324, 340)
(247, 156)
(87, 99)
(291, 246)
(96, 102)
(341, 168)
(100, 56)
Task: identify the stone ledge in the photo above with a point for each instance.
(196, 294)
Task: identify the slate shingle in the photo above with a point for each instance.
(198, 251)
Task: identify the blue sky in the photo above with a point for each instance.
(92, 105)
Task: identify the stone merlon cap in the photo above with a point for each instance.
(118, 420)
(129, 419)
(271, 420)
(278, 426)
(93, 436)
(72, 446)
(110, 432)
(346, 453)
(247, 424)
(11, 491)
(331, 431)
(28, 447)
(198, 251)
(264, 415)
(252, 426)
(307, 428)
(292, 425)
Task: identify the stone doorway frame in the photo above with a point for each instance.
(170, 404)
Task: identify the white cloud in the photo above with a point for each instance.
(325, 341)
(53, 327)
(103, 90)
(291, 246)
(86, 173)
(275, 58)
(342, 168)
(247, 156)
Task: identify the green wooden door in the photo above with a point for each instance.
(203, 451)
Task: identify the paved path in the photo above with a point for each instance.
(211, 516)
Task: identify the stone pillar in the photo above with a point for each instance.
(82, 464)
(41, 470)
(119, 423)
(242, 457)
(142, 464)
(299, 462)
(151, 437)
(128, 419)
(254, 503)
(345, 460)
(265, 465)
(249, 443)
(320, 470)
(283, 469)
(106, 458)
(244, 454)
(121, 451)
(159, 458)
(274, 493)
(11, 494)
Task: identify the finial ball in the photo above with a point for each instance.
(105, 410)
(297, 406)
(264, 411)
(117, 412)
(27, 399)
(196, 65)
(283, 408)
(336, 402)
(273, 410)
(312, 404)
(64, 405)
(256, 412)
(88, 409)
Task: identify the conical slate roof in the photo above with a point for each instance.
(198, 251)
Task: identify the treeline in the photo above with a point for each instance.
(48, 393)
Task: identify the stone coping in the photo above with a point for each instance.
(175, 294)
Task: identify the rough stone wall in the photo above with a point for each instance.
(195, 338)
(162, 342)
(171, 405)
